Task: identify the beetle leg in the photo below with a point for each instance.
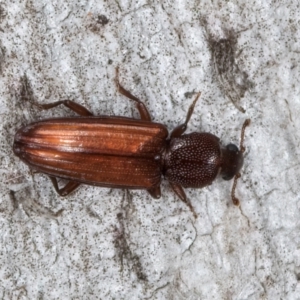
(67, 189)
(181, 194)
(180, 129)
(144, 113)
(155, 192)
(79, 109)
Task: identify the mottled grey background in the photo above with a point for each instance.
(111, 244)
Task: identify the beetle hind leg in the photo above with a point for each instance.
(67, 189)
(181, 194)
(144, 113)
(77, 108)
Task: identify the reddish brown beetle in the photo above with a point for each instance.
(121, 152)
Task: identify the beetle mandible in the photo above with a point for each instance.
(120, 152)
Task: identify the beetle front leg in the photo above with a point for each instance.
(77, 108)
(181, 194)
(67, 189)
(144, 113)
(180, 129)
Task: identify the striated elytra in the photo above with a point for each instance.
(121, 152)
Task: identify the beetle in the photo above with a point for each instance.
(121, 152)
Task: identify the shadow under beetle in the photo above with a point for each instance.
(120, 152)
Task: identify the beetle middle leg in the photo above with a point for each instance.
(180, 129)
(67, 189)
(77, 108)
(144, 113)
(155, 192)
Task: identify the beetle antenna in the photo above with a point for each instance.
(246, 123)
(235, 200)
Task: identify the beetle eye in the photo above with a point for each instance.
(227, 177)
(232, 148)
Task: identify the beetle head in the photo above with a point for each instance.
(232, 161)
